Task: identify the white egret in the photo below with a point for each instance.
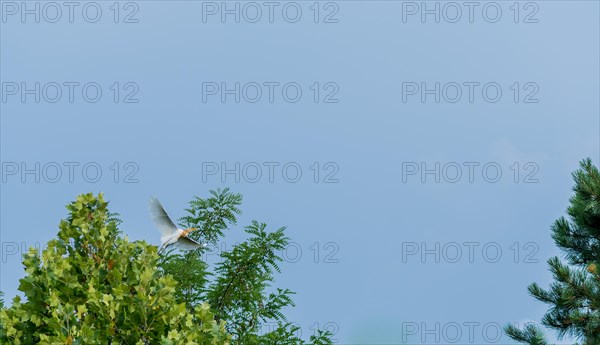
(171, 234)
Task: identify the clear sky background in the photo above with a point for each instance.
(367, 281)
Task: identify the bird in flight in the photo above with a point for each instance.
(171, 234)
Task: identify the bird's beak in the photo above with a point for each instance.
(187, 231)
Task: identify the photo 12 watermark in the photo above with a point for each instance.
(456, 332)
(270, 92)
(471, 252)
(452, 12)
(470, 172)
(52, 12)
(317, 252)
(470, 92)
(270, 172)
(14, 251)
(69, 92)
(69, 172)
(252, 12)
(305, 330)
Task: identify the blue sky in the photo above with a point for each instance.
(374, 130)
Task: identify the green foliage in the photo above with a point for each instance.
(1, 308)
(212, 215)
(239, 288)
(574, 295)
(191, 274)
(530, 334)
(238, 293)
(91, 286)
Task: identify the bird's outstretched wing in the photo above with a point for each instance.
(160, 218)
(187, 243)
